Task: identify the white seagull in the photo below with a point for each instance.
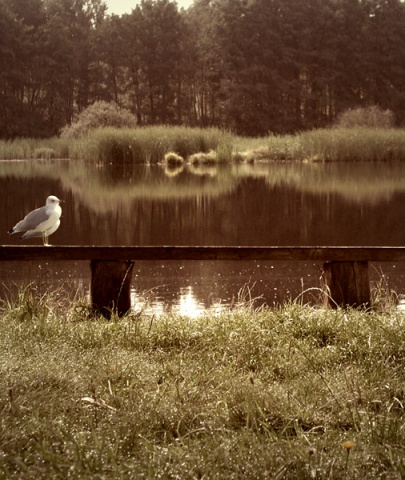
(41, 222)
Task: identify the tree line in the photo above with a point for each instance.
(253, 66)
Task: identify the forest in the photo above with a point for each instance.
(250, 66)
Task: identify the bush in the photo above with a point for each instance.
(100, 114)
(202, 158)
(173, 159)
(371, 117)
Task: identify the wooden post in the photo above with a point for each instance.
(111, 286)
(346, 284)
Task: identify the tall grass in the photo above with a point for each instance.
(150, 144)
(124, 145)
(147, 145)
(289, 393)
(358, 144)
(353, 145)
(272, 147)
(28, 148)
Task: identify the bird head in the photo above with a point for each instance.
(52, 200)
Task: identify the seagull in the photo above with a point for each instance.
(41, 222)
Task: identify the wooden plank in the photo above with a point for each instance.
(315, 253)
(111, 287)
(347, 284)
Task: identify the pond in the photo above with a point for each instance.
(263, 204)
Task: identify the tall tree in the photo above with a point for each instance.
(157, 33)
(88, 16)
(12, 32)
(250, 65)
(384, 54)
(205, 61)
(110, 59)
(347, 69)
(27, 84)
(259, 71)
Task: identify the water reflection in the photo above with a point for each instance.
(187, 304)
(263, 204)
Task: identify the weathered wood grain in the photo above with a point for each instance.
(347, 284)
(111, 286)
(315, 253)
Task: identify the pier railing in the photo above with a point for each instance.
(345, 269)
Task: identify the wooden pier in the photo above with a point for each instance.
(345, 269)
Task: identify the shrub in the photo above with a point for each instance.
(372, 117)
(201, 158)
(172, 159)
(100, 114)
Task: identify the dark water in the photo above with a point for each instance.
(262, 204)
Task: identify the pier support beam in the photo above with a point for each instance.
(111, 286)
(346, 284)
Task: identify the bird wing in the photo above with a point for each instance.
(30, 234)
(39, 233)
(32, 220)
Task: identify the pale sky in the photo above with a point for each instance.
(125, 6)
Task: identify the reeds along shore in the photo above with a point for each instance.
(293, 392)
(150, 145)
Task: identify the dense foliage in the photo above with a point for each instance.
(254, 66)
(371, 117)
(99, 114)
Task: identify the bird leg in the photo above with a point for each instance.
(45, 239)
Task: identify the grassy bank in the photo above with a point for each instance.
(289, 393)
(151, 144)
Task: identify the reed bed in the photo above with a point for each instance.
(148, 145)
(210, 146)
(294, 392)
(34, 148)
(327, 145)
(353, 145)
